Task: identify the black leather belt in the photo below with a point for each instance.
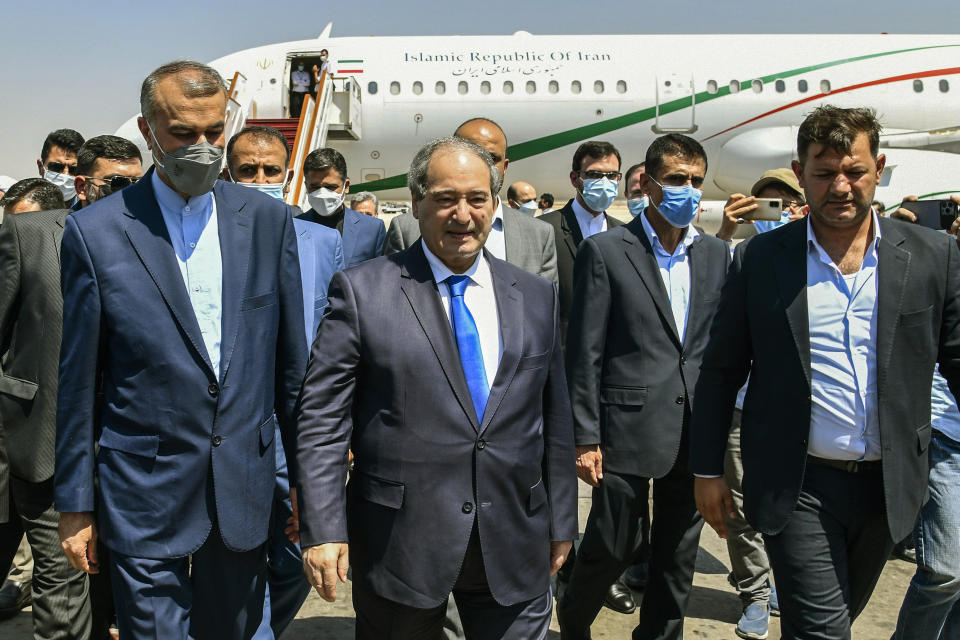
(850, 466)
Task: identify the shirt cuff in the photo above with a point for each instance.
(703, 475)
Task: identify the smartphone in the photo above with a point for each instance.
(767, 209)
(936, 214)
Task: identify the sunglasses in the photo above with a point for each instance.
(112, 184)
(596, 175)
(59, 167)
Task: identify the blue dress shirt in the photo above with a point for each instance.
(675, 271)
(842, 313)
(192, 225)
(945, 417)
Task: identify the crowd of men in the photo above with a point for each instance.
(212, 401)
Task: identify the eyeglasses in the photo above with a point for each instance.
(112, 184)
(59, 167)
(596, 175)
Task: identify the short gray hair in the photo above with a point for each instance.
(200, 81)
(417, 176)
(363, 196)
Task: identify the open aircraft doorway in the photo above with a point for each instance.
(308, 60)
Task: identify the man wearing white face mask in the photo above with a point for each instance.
(643, 298)
(325, 177)
(522, 197)
(58, 161)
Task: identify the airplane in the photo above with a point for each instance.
(741, 96)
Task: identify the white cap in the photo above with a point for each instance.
(6, 182)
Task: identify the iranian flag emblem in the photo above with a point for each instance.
(350, 66)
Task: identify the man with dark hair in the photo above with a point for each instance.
(31, 194)
(644, 296)
(183, 424)
(840, 321)
(546, 203)
(105, 165)
(58, 160)
(326, 181)
(513, 237)
(595, 176)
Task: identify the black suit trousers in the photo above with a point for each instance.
(610, 543)
(830, 555)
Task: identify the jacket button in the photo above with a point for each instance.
(216, 441)
(683, 359)
(467, 507)
(481, 444)
(679, 400)
(213, 390)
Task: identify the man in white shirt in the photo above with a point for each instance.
(300, 86)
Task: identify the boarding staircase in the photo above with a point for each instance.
(332, 113)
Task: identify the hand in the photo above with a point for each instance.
(315, 69)
(78, 537)
(558, 554)
(713, 500)
(590, 464)
(323, 564)
(796, 213)
(737, 206)
(293, 522)
(905, 214)
(955, 227)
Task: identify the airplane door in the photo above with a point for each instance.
(676, 104)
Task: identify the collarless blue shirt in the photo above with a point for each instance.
(194, 234)
(675, 272)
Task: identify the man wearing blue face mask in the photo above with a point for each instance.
(644, 295)
(596, 176)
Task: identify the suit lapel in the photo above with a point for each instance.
(148, 234)
(791, 270)
(640, 254)
(510, 311)
(235, 240)
(418, 286)
(58, 231)
(893, 267)
(572, 235)
(511, 238)
(350, 220)
(698, 275)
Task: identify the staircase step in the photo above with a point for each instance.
(286, 126)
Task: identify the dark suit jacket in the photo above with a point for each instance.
(763, 318)
(31, 310)
(631, 378)
(385, 380)
(566, 229)
(180, 445)
(362, 235)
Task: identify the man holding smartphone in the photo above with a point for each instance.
(778, 184)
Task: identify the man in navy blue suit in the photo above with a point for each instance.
(325, 177)
(185, 335)
(259, 157)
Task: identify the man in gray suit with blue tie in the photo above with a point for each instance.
(458, 418)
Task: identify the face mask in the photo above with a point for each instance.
(64, 182)
(528, 207)
(680, 204)
(274, 190)
(323, 58)
(637, 205)
(324, 201)
(192, 169)
(599, 193)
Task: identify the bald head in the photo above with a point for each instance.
(488, 135)
(520, 194)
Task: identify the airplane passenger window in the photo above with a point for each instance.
(621, 86)
(507, 87)
(712, 86)
(485, 87)
(780, 86)
(554, 86)
(462, 88)
(734, 86)
(802, 86)
(598, 86)
(824, 86)
(418, 87)
(575, 86)
(918, 86)
(944, 86)
(531, 86)
(757, 86)
(395, 88)
(440, 87)
(372, 88)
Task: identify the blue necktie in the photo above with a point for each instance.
(468, 343)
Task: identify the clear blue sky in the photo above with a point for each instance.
(80, 64)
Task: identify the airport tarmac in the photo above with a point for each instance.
(713, 611)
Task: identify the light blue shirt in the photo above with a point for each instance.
(675, 272)
(194, 234)
(496, 244)
(944, 417)
(842, 314)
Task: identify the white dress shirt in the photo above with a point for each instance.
(496, 244)
(675, 272)
(482, 303)
(195, 237)
(589, 223)
(842, 313)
